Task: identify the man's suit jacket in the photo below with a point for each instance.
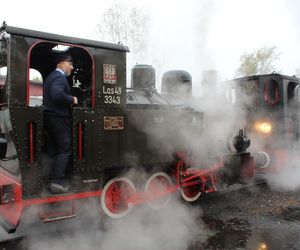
(57, 97)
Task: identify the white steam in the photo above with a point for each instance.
(176, 226)
(287, 178)
(173, 228)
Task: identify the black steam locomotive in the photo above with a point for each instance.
(115, 130)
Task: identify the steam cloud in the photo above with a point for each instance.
(172, 228)
(286, 179)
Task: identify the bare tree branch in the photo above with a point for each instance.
(127, 24)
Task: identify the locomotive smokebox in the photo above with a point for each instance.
(177, 82)
(143, 76)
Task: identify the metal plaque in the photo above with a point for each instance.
(110, 73)
(113, 123)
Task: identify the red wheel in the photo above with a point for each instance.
(158, 183)
(115, 195)
(192, 193)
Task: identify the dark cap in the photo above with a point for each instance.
(64, 58)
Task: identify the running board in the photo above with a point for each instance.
(57, 211)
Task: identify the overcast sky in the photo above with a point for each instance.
(193, 34)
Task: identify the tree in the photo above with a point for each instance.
(257, 62)
(126, 24)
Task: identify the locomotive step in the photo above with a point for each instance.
(57, 211)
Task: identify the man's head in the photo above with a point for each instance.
(65, 63)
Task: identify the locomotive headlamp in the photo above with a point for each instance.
(262, 246)
(239, 142)
(263, 127)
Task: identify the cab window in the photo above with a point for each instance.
(271, 92)
(296, 93)
(42, 62)
(35, 88)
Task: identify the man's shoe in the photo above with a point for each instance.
(56, 188)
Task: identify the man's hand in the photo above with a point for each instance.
(75, 100)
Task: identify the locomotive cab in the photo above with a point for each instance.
(98, 81)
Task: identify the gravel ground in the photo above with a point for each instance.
(252, 218)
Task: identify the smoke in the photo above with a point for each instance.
(285, 179)
(222, 117)
(283, 173)
(174, 227)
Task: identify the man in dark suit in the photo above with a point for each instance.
(57, 117)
